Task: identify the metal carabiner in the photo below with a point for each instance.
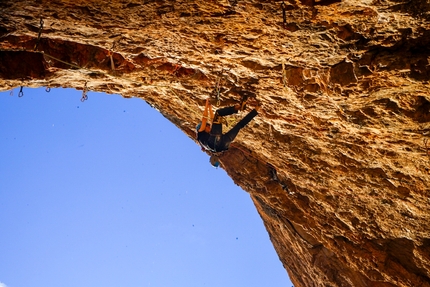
(84, 93)
(84, 98)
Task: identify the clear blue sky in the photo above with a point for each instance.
(110, 193)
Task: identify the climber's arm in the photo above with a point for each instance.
(210, 110)
(205, 116)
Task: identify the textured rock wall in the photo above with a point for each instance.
(338, 161)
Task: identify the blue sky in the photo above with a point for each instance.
(109, 193)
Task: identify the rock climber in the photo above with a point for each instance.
(209, 130)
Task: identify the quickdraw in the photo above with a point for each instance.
(284, 15)
(84, 93)
(284, 74)
(40, 33)
(21, 93)
(110, 54)
(270, 133)
(217, 91)
(112, 64)
(217, 88)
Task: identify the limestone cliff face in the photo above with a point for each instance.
(338, 161)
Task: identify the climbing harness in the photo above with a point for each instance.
(84, 93)
(216, 141)
(40, 33)
(21, 93)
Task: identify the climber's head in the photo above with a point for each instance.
(198, 127)
(214, 160)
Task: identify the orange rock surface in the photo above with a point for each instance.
(338, 161)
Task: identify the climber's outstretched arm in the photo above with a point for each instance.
(210, 110)
(207, 111)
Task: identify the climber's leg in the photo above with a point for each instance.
(227, 138)
(224, 112)
(230, 110)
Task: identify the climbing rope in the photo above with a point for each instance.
(66, 63)
(217, 90)
(85, 97)
(85, 90)
(228, 122)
